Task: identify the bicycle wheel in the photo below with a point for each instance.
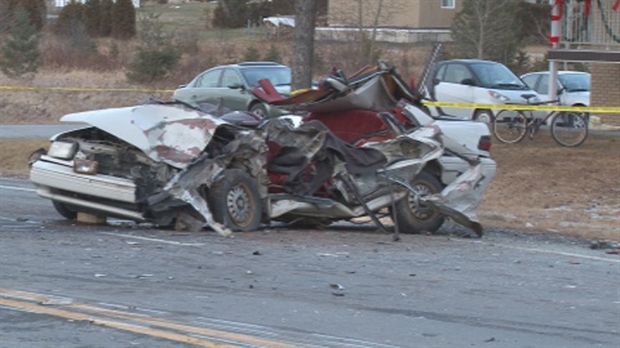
(509, 126)
(569, 129)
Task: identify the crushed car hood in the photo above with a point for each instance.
(169, 133)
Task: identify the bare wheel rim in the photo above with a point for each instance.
(569, 129)
(509, 126)
(420, 211)
(239, 205)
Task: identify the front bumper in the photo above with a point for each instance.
(59, 174)
(56, 180)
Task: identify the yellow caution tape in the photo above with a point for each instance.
(67, 89)
(524, 107)
(592, 109)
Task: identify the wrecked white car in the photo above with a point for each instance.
(365, 148)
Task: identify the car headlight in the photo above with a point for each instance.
(499, 96)
(85, 166)
(62, 149)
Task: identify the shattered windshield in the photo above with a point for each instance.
(279, 76)
(497, 76)
(575, 82)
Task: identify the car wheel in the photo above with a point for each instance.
(64, 210)
(235, 202)
(417, 218)
(484, 115)
(260, 110)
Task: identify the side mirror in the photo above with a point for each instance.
(436, 81)
(560, 91)
(182, 86)
(468, 82)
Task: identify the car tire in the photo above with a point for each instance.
(259, 110)
(414, 220)
(64, 210)
(484, 115)
(235, 202)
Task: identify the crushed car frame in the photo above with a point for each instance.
(364, 147)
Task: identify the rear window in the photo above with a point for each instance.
(279, 76)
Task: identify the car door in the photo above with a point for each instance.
(531, 80)
(455, 86)
(542, 87)
(203, 89)
(232, 91)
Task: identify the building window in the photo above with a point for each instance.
(447, 3)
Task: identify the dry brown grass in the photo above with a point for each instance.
(47, 103)
(14, 155)
(545, 187)
(46, 106)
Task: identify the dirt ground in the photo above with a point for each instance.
(539, 186)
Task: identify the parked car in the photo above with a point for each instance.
(230, 86)
(574, 86)
(474, 81)
(354, 154)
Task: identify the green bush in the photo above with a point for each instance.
(156, 55)
(92, 17)
(105, 20)
(251, 54)
(273, 55)
(70, 16)
(230, 14)
(35, 9)
(123, 20)
(152, 65)
(20, 49)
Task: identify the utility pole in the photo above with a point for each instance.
(303, 46)
(554, 39)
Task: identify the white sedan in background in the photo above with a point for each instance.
(574, 86)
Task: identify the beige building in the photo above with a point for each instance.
(425, 14)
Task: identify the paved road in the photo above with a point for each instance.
(123, 285)
(33, 131)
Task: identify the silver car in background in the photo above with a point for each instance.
(230, 86)
(574, 86)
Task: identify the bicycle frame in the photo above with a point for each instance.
(567, 129)
(534, 124)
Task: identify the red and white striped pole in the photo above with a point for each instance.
(557, 9)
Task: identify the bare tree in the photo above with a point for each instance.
(486, 29)
(367, 16)
(303, 46)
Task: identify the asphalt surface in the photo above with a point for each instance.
(35, 131)
(125, 285)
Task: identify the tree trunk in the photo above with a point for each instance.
(303, 46)
(373, 38)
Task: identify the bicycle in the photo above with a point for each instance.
(567, 128)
